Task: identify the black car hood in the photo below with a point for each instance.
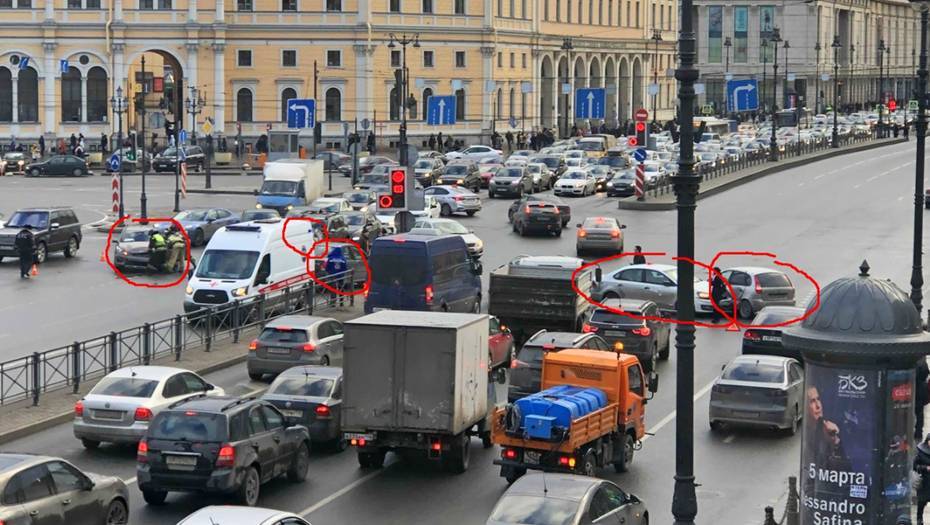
(11, 232)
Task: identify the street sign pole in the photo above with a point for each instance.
(177, 172)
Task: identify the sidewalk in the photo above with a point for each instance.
(21, 418)
(716, 185)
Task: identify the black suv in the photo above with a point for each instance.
(167, 160)
(537, 216)
(220, 445)
(526, 368)
(462, 173)
(336, 226)
(55, 229)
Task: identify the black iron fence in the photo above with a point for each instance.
(71, 365)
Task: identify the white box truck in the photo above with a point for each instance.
(416, 381)
(289, 183)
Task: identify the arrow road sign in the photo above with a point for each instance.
(113, 163)
(182, 136)
(440, 110)
(24, 63)
(590, 102)
(301, 113)
(743, 95)
(639, 154)
(63, 66)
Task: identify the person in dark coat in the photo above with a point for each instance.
(639, 258)
(74, 141)
(104, 142)
(922, 468)
(25, 247)
(337, 273)
(440, 145)
(431, 142)
(921, 397)
(41, 146)
(718, 290)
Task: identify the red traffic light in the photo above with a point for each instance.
(385, 201)
(640, 126)
(892, 105)
(632, 141)
(397, 177)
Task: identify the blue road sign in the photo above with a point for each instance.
(513, 122)
(24, 63)
(63, 65)
(440, 110)
(301, 113)
(743, 95)
(640, 154)
(590, 102)
(113, 163)
(182, 136)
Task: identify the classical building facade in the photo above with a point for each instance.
(507, 62)
(735, 37)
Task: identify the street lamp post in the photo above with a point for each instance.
(118, 103)
(817, 49)
(656, 37)
(765, 56)
(881, 87)
(194, 103)
(404, 41)
(142, 198)
(773, 147)
(784, 91)
(836, 71)
(686, 184)
(917, 279)
(567, 46)
(849, 75)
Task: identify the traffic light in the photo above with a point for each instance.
(641, 134)
(396, 198)
(892, 105)
(632, 141)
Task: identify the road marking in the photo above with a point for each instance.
(335, 495)
(729, 439)
(857, 186)
(900, 199)
(669, 418)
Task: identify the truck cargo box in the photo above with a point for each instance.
(415, 371)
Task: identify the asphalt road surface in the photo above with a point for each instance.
(825, 218)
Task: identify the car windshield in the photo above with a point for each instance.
(28, 219)
(708, 156)
(324, 207)
(188, 426)
(773, 280)
(614, 162)
(450, 227)
(134, 236)
(755, 372)
(625, 176)
(423, 164)
(227, 264)
(358, 197)
(552, 162)
(170, 152)
(255, 215)
(509, 173)
(575, 175)
(191, 215)
(533, 169)
(591, 145)
(125, 387)
(302, 386)
(374, 178)
(652, 167)
(456, 170)
(354, 219)
(278, 187)
(534, 510)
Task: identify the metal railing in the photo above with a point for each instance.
(69, 366)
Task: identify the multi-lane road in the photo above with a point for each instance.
(825, 218)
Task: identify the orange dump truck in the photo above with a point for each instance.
(606, 434)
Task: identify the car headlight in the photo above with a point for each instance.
(355, 238)
(290, 206)
(610, 184)
(21, 163)
(479, 244)
(460, 181)
(189, 290)
(124, 253)
(514, 183)
(240, 292)
(703, 295)
(259, 206)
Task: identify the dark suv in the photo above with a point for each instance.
(526, 368)
(643, 336)
(462, 173)
(220, 445)
(336, 226)
(55, 229)
(167, 160)
(537, 216)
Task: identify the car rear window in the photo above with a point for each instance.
(773, 280)
(407, 267)
(534, 510)
(531, 354)
(302, 386)
(189, 425)
(606, 316)
(755, 372)
(283, 335)
(125, 387)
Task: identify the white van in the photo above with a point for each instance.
(247, 259)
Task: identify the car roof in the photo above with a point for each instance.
(754, 270)
(296, 320)
(561, 486)
(147, 372)
(46, 208)
(313, 370)
(231, 514)
(627, 304)
(14, 462)
(567, 339)
(214, 404)
(651, 266)
(763, 359)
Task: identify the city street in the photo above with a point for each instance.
(825, 218)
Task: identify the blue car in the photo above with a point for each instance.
(201, 223)
(454, 199)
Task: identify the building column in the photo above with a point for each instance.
(487, 73)
(15, 86)
(83, 97)
(48, 82)
(363, 85)
(220, 12)
(191, 70)
(219, 82)
(534, 108)
(191, 10)
(118, 10)
(49, 9)
(556, 90)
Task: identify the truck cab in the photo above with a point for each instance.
(290, 183)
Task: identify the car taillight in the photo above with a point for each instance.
(752, 335)
(527, 210)
(557, 210)
(758, 284)
(142, 452)
(254, 345)
(509, 453)
(582, 233)
(79, 409)
(226, 458)
(322, 411)
(143, 414)
(567, 461)
(429, 294)
(615, 234)
(309, 347)
(588, 329)
(644, 331)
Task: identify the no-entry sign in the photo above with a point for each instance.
(641, 115)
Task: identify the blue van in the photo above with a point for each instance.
(423, 272)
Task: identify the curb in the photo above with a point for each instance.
(630, 203)
(58, 419)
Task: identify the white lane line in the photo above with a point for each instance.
(900, 199)
(729, 439)
(669, 418)
(857, 186)
(348, 488)
(800, 184)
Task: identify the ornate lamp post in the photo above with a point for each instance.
(119, 104)
(773, 147)
(765, 56)
(194, 104)
(656, 37)
(403, 42)
(836, 72)
(917, 279)
(567, 46)
(817, 49)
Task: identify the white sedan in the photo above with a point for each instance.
(479, 154)
(575, 181)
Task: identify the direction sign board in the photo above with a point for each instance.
(590, 102)
(913, 105)
(440, 110)
(513, 122)
(63, 65)
(653, 89)
(113, 163)
(743, 95)
(301, 113)
(641, 115)
(639, 154)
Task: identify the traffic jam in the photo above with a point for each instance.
(442, 351)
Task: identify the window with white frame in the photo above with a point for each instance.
(289, 5)
(244, 58)
(334, 5)
(333, 58)
(427, 59)
(459, 59)
(459, 7)
(512, 60)
(394, 6)
(151, 5)
(72, 4)
(500, 59)
(523, 60)
(427, 6)
(395, 58)
(244, 5)
(288, 58)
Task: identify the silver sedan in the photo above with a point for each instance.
(295, 340)
(601, 234)
(758, 390)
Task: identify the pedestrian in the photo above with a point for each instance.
(449, 145)
(34, 152)
(337, 273)
(921, 397)
(61, 146)
(574, 130)
(638, 257)
(509, 138)
(41, 145)
(223, 145)
(176, 247)
(439, 143)
(104, 142)
(521, 140)
(431, 142)
(25, 244)
(922, 468)
(719, 293)
(157, 250)
(13, 143)
(372, 147)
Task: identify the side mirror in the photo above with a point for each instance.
(210, 387)
(54, 226)
(578, 225)
(190, 272)
(255, 191)
(623, 226)
(114, 241)
(88, 484)
(598, 274)
(653, 382)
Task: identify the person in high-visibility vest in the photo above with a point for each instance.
(157, 250)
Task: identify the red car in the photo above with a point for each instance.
(500, 344)
(487, 171)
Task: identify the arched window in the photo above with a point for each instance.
(394, 109)
(6, 95)
(513, 102)
(71, 95)
(96, 95)
(244, 105)
(460, 104)
(286, 95)
(333, 105)
(427, 93)
(28, 96)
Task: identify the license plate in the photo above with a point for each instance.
(531, 458)
(737, 413)
(108, 414)
(181, 461)
(366, 437)
(278, 350)
(615, 333)
(293, 413)
(771, 338)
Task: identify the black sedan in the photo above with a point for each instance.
(167, 160)
(757, 339)
(623, 184)
(311, 396)
(59, 165)
(565, 210)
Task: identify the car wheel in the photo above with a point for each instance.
(471, 213)
(624, 456)
(248, 491)
(558, 233)
(300, 465)
(611, 295)
(41, 252)
(445, 210)
(154, 497)
(72, 247)
(117, 513)
(745, 309)
(458, 459)
(664, 353)
(256, 376)
(371, 459)
(521, 230)
(324, 361)
(90, 444)
(77, 172)
(476, 307)
(34, 172)
(198, 239)
(589, 464)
